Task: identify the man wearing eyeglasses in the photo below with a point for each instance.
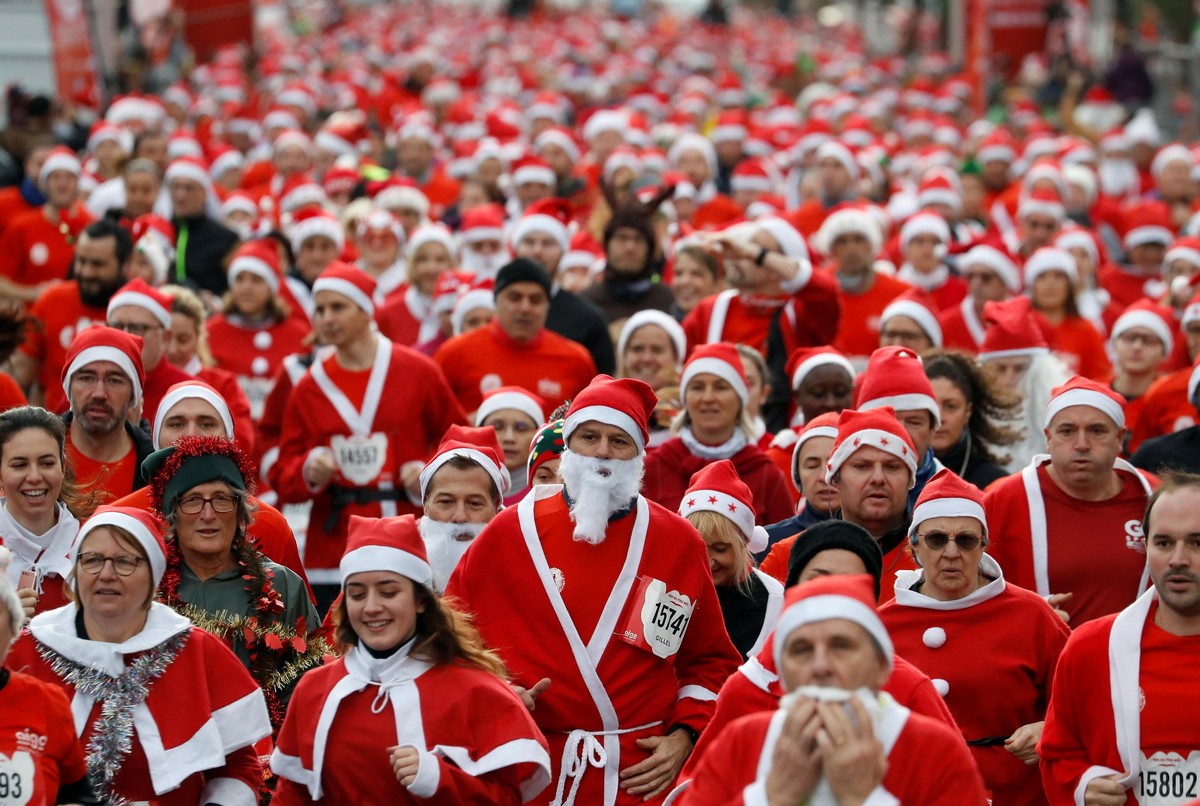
(1069, 525)
(102, 378)
(143, 311)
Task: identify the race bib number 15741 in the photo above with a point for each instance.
(658, 619)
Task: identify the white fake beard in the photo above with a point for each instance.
(1118, 177)
(483, 266)
(442, 547)
(598, 488)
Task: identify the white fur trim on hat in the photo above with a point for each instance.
(999, 152)
(872, 438)
(715, 366)
(1147, 319)
(607, 415)
(184, 169)
(510, 400)
(1190, 314)
(541, 223)
(919, 314)
(191, 392)
(1014, 353)
(256, 266)
(663, 320)
(846, 221)
(1168, 154)
(139, 300)
(431, 233)
(104, 353)
(59, 161)
(912, 401)
(1184, 253)
(927, 224)
(477, 234)
(477, 298)
(690, 141)
(1140, 236)
(1031, 206)
(327, 226)
(152, 249)
(541, 174)
(1085, 397)
(1050, 259)
(346, 289)
(385, 558)
(149, 543)
(839, 152)
(238, 203)
(736, 510)
(948, 508)
(824, 608)
(804, 436)
(997, 261)
(821, 360)
(560, 139)
(498, 473)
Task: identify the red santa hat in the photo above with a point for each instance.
(1011, 329)
(1081, 391)
(292, 138)
(140, 294)
(844, 221)
(238, 202)
(60, 159)
(996, 147)
(386, 544)
(919, 307)
(850, 597)
(1186, 249)
(895, 378)
(482, 296)
(381, 221)
(349, 281)
(431, 233)
(690, 141)
(946, 495)
(533, 169)
(146, 529)
(877, 428)
(751, 176)
(511, 397)
(550, 216)
(836, 150)
(477, 444)
(561, 138)
(996, 260)
(482, 223)
(340, 179)
(716, 487)
(1050, 258)
(1042, 201)
(925, 224)
(665, 321)
(100, 343)
(804, 360)
(313, 222)
(191, 390)
(940, 186)
(193, 168)
(259, 258)
(721, 359)
(105, 132)
(1169, 153)
(625, 403)
(1148, 222)
(1080, 238)
(1158, 319)
(823, 425)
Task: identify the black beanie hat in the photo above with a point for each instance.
(522, 270)
(835, 534)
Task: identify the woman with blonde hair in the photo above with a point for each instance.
(416, 710)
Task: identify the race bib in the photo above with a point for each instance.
(256, 390)
(658, 618)
(1169, 779)
(16, 779)
(360, 459)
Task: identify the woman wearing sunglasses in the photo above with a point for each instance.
(165, 711)
(990, 646)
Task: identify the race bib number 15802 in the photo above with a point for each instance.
(1168, 779)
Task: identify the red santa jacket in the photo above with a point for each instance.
(477, 741)
(961, 327)
(35, 250)
(38, 743)
(193, 735)
(606, 692)
(55, 318)
(1165, 409)
(254, 354)
(1048, 542)
(406, 409)
(735, 769)
(998, 644)
(407, 317)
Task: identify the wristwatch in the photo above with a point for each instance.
(762, 255)
(692, 733)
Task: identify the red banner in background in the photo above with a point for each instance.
(74, 63)
(209, 24)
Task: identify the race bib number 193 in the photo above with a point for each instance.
(658, 618)
(16, 779)
(1168, 779)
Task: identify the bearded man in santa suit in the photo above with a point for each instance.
(619, 637)
(1121, 726)
(836, 737)
(462, 488)
(356, 433)
(1069, 526)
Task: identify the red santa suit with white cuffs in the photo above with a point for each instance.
(1050, 542)
(1124, 703)
(586, 619)
(192, 733)
(991, 653)
(371, 422)
(476, 740)
(927, 763)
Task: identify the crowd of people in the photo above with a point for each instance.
(682, 414)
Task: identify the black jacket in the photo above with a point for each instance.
(205, 248)
(581, 321)
(143, 446)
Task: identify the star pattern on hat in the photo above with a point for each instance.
(733, 507)
(691, 502)
(712, 499)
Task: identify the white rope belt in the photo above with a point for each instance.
(581, 751)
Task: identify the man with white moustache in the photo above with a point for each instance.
(462, 488)
(614, 639)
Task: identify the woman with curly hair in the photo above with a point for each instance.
(975, 410)
(416, 711)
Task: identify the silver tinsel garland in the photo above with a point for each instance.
(112, 733)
